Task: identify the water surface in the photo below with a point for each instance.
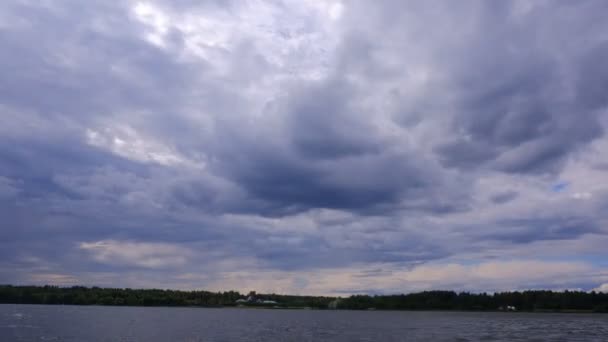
(99, 323)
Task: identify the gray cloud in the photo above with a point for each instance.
(504, 197)
(293, 138)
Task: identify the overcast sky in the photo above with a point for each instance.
(305, 147)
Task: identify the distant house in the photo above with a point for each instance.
(334, 304)
(507, 308)
(253, 300)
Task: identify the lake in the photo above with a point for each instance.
(99, 323)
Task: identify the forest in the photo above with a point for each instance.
(538, 300)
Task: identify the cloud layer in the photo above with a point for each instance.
(319, 147)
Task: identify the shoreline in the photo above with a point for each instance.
(538, 301)
(231, 307)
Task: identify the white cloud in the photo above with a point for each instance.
(141, 254)
(389, 278)
(602, 288)
(294, 37)
(155, 19)
(126, 142)
(54, 279)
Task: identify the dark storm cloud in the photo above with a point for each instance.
(359, 184)
(517, 94)
(504, 197)
(526, 230)
(292, 142)
(518, 111)
(325, 124)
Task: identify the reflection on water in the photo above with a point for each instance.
(96, 323)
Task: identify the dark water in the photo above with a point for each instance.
(96, 323)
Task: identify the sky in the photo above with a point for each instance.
(318, 147)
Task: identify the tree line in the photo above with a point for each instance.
(427, 300)
(80, 295)
(449, 300)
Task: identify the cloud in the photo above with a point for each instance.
(601, 288)
(7, 188)
(151, 255)
(359, 143)
(504, 197)
(386, 278)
